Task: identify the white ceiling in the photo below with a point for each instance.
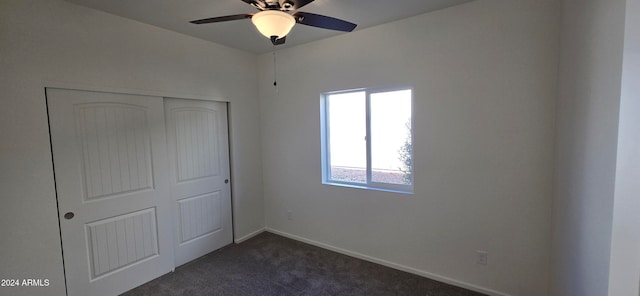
(175, 15)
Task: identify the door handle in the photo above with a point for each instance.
(226, 181)
(69, 215)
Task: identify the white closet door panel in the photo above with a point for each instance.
(197, 147)
(116, 149)
(110, 161)
(199, 167)
(199, 216)
(110, 250)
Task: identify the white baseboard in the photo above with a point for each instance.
(390, 264)
(248, 236)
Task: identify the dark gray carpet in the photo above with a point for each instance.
(270, 264)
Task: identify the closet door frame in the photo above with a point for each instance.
(136, 92)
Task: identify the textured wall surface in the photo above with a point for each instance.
(484, 76)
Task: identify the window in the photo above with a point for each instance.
(367, 139)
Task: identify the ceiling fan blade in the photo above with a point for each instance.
(222, 19)
(325, 22)
(276, 41)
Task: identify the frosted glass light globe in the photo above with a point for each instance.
(273, 23)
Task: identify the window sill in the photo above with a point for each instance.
(365, 187)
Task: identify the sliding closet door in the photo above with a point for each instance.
(198, 148)
(112, 182)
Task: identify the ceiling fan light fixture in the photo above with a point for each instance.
(273, 23)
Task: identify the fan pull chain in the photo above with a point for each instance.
(275, 72)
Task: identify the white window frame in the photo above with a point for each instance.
(325, 138)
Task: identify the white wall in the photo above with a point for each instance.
(51, 42)
(587, 119)
(484, 77)
(624, 276)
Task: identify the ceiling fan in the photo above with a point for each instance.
(274, 20)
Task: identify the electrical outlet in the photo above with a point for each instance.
(482, 257)
(289, 215)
